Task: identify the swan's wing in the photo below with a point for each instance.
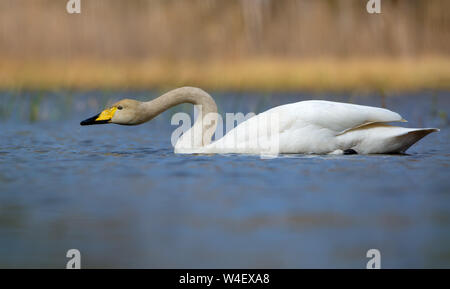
(340, 117)
(314, 121)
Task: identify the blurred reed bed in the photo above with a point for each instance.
(251, 74)
(251, 44)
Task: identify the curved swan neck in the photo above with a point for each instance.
(202, 129)
(193, 95)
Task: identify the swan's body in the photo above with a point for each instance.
(319, 127)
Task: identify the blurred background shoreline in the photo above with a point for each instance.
(362, 75)
(289, 45)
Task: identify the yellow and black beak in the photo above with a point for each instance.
(101, 118)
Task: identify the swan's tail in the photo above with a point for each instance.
(380, 138)
(407, 139)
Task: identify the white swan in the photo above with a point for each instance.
(312, 127)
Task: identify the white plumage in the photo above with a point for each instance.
(317, 127)
(310, 127)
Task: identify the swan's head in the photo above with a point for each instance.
(124, 112)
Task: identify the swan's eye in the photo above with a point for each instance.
(119, 107)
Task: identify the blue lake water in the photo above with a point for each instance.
(124, 199)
